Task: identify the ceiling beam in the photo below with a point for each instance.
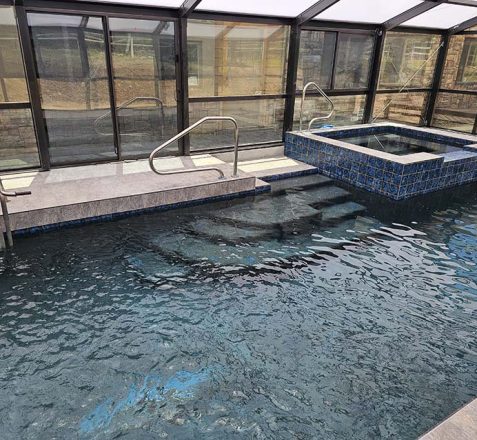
(411, 13)
(313, 11)
(463, 26)
(188, 7)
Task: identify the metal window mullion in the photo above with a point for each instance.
(437, 79)
(112, 95)
(335, 57)
(182, 83)
(33, 86)
(292, 72)
(374, 77)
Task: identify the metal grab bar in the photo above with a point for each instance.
(322, 93)
(124, 105)
(6, 218)
(188, 130)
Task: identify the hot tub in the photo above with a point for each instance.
(391, 159)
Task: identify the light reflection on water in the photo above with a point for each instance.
(177, 325)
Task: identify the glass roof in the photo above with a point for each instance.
(282, 8)
(443, 16)
(366, 11)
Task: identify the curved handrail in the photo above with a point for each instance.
(322, 93)
(126, 104)
(6, 218)
(188, 130)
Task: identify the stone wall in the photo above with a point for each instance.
(18, 142)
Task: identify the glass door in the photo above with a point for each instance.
(75, 88)
(143, 61)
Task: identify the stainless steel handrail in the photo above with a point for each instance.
(6, 218)
(322, 93)
(124, 105)
(184, 133)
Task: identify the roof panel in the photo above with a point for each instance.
(443, 16)
(281, 8)
(155, 3)
(366, 11)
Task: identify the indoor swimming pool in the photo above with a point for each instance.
(316, 311)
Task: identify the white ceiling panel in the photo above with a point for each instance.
(443, 16)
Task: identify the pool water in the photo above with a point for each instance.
(399, 144)
(315, 312)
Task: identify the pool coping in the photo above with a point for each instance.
(404, 159)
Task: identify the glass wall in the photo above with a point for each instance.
(70, 57)
(231, 59)
(408, 59)
(336, 61)
(353, 61)
(406, 107)
(456, 105)
(454, 111)
(315, 59)
(349, 110)
(259, 121)
(405, 56)
(143, 58)
(18, 148)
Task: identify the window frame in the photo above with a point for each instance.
(469, 43)
(338, 32)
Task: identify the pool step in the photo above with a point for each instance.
(200, 253)
(90, 193)
(341, 211)
(279, 209)
(321, 195)
(217, 229)
(153, 267)
(271, 210)
(300, 182)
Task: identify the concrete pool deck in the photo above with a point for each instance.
(94, 192)
(462, 425)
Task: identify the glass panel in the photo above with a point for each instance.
(404, 55)
(145, 84)
(461, 63)
(12, 74)
(259, 121)
(285, 8)
(353, 61)
(73, 79)
(443, 16)
(349, 110)
(366, 11)
(228, 59)
(408, 108)
(455, 112)
(18, 148)
(315, 61)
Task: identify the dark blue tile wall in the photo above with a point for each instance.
(382, 176)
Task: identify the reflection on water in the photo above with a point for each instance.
(311, 313)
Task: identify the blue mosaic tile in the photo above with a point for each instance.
(383, 176)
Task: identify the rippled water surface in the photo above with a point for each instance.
(315, 312)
